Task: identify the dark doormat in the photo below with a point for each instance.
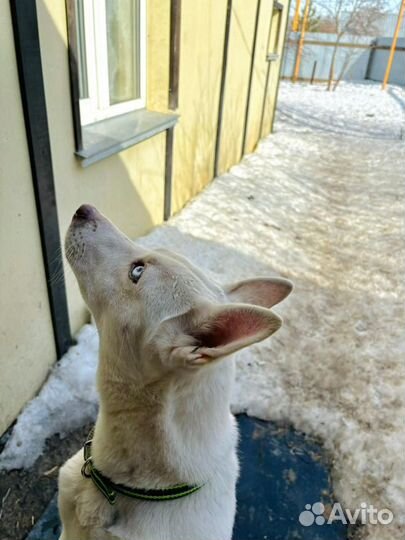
(282, 472)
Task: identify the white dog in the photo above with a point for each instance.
(162, 464)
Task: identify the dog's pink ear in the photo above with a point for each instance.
(265, 292)
(229, 328)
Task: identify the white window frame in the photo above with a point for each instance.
(97, 106)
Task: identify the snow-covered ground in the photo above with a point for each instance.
(322, 203)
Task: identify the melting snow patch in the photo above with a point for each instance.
(67, 400)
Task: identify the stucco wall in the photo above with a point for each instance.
(26, 336)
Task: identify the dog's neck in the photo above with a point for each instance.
(178, 429)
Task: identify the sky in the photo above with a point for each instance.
(393, 5)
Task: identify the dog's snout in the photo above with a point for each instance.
(85, 212)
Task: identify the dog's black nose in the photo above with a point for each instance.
(85, 211)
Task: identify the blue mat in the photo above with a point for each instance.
(282, 473)
(283, 480)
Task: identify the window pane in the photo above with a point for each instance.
(81, 51)
(123, 42)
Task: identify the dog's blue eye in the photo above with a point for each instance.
(136, 272)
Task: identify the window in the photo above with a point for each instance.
(107, 60)
(111, 57)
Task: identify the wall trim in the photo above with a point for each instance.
(167, 201)
(73, 54)
(174, 68)
(28, 56)
(282, 60)
(252, 65)
(222, 87)
(264, 103)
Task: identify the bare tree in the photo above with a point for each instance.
(313, 21)
(355, 17)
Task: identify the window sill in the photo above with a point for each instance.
(107, 137)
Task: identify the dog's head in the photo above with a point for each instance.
(158, 307)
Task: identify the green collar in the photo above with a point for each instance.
(110, 490)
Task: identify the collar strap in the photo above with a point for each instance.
(109, 489)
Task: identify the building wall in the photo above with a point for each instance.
(201, 46)
(237, 80)
(203, 22)
(128, 186)
(253, 133)
(26, 337)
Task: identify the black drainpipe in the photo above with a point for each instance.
(28, 55)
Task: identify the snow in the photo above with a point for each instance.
(320, 202)
(360, 110)
(67, 400)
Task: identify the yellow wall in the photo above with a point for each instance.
(202, 37)
(242, 28)
(237, 80)
(26, 337)
(158, 54)
(259, 76)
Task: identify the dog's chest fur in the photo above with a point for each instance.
(187, 436)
